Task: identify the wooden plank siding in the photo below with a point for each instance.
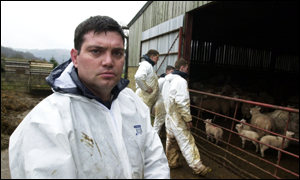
(25, 75)
(156, 13)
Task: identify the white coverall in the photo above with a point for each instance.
(146, 78)
(72, 136)
(160, 112)
(177, 105)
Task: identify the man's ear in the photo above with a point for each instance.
(74, 55)
(151, 57)
(181, 68)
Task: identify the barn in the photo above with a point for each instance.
(249, 47)
(256, 39)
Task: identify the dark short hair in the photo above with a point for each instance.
(169, 68)
(152, 52)
(180, 62)
(97, 24)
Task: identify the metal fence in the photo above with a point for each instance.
(246, 162)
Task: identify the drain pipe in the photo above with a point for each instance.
(126, 53)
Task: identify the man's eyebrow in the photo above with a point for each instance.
(101, 47)
(98, 47)
(118, 49)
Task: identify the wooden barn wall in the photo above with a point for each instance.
(156, 13)
(242, 57)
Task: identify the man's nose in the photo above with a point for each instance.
(107, 59)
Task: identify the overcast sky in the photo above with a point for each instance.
(51, 24)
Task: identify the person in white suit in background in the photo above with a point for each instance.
(146, 79)
(159, 107)
(179, 120)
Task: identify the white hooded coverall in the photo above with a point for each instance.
(177, 105)
(160, 112)
(72, 136)
(146, 78)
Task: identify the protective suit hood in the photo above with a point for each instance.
(147, 58)
(170, 77)
(64, 79)
(180, 73)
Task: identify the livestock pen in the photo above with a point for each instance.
(25, 75)
(37, 75)
(246, 162)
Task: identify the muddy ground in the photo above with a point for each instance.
(15, 105)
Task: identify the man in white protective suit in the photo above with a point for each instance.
(159, 107)
(92, 126)
(146, 79)
(179, 121)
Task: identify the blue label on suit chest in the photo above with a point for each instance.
(138, 129)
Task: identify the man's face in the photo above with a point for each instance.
(155, 58)
(169, 71)
(101, 59)
(184, 69)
